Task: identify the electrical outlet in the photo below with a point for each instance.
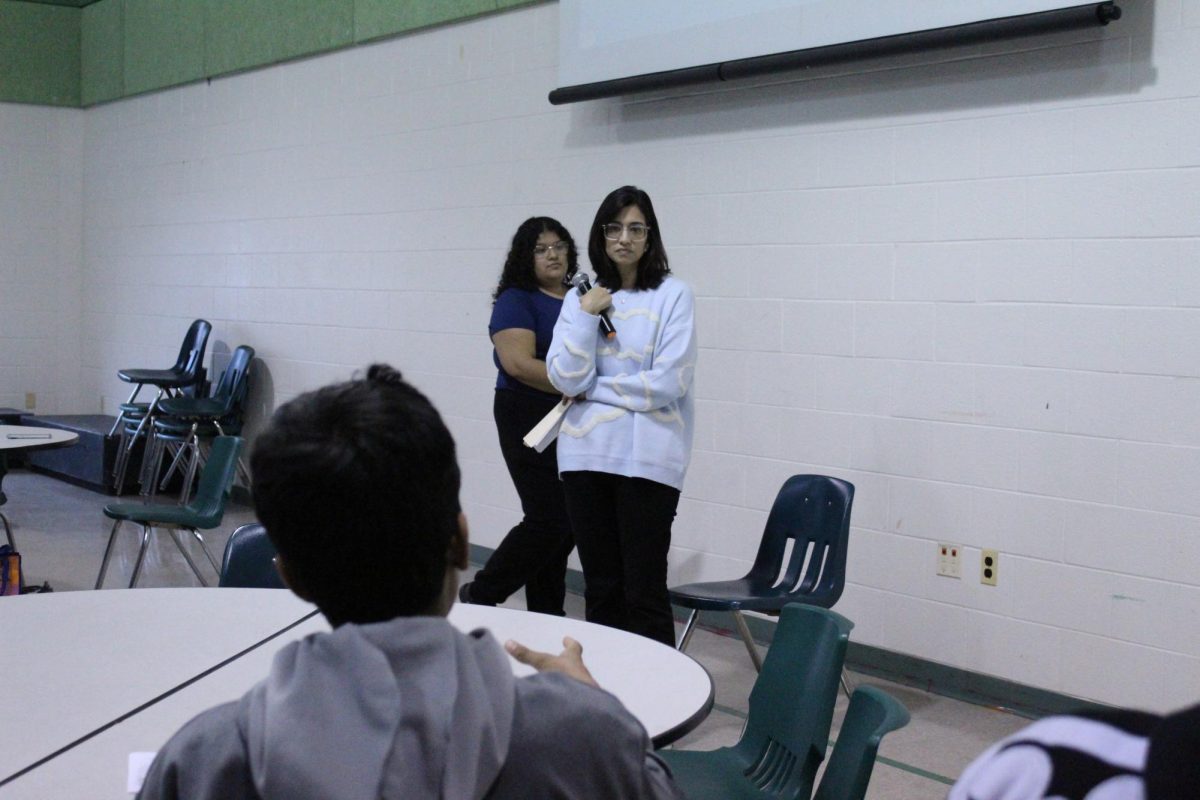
(989, 566)
(30, 401)
(949, 562)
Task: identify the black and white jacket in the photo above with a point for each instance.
(1117, 755)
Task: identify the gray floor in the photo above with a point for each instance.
(61, 532)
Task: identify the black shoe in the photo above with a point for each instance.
(464, 596)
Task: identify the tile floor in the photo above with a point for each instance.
(61, 533)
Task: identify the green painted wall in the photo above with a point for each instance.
(103, 53)
(53, 55)
(39, 54)
(241, 34)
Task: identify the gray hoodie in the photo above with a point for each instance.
(409, 708)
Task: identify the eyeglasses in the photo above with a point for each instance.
(637, 231)
(558, 247)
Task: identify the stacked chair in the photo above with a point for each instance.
(133, 423)
(204, 512)
(790, 716)
(182, 424)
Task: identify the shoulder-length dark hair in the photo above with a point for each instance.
(652, 269)
(518, 265)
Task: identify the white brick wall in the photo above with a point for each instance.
(40, 235)
(969, 282)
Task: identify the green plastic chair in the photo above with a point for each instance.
(204, 512)
(183, 422)
(872, 715)
(811, 513)
(791, 710)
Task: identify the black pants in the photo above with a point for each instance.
(534, 553)
(622, 527)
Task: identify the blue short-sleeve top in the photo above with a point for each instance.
(532, 310)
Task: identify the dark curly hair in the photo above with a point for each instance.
(652, 269)
(357, 485)
(518, 265)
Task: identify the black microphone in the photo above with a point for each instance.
(584, 286)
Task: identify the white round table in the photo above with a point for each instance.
(28, 437)
(100, 675)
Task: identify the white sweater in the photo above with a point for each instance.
(637, 415)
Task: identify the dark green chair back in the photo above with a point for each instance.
(812, 514)
(791, 711)
(249, 560)
(216, 480)
(871, 716)
(190, 361)
(235, 381)
(791, 704)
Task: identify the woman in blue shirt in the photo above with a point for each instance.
(527, 301)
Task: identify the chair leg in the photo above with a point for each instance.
(688, 628)
(152, 464)
(845, 686)
(137, 387)
(8, 532)
(748, 640)
(123, 456)
(141, 557)
(187, 558)
(124, 449)
(118, 470)
(207, 553)
(192, 469)
(243, 472)
(176, 450)
(112, 538)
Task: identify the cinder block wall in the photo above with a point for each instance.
(966, 282)
(41, 233)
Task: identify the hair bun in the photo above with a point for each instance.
(385, 374)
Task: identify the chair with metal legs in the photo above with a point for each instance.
(134, 418)
(204, 512)
(183, 422)
(811, 513)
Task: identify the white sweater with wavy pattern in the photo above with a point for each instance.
(637, 412)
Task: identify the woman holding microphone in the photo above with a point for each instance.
(525, 307)
(625, 443)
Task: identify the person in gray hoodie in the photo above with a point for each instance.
(357, 485)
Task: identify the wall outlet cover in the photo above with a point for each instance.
(989, 566)
(949, 560)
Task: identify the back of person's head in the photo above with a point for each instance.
(357, 485)
(653, 267)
